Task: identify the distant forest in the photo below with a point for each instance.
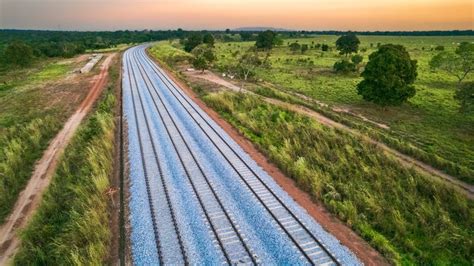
(46, 43)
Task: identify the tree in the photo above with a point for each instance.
(347, 44)
(203, 57)
(246, 36)
(18, 53)
(324, 47)
(304, 48)
(344, 66)
(388, 76)
(465, 96)
(248, 63)
(459, 64)
(208, 39)
(265, 40)
(192, 41)
(295, 47)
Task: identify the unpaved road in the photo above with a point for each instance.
(463, 187)
(30, 197)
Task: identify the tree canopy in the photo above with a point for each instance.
(18, 53)
(265, 40)
(208, 39)
(203, 57)
(465, 96)
(459, 64)
(192, 41)
(347, 44)
(388, 76)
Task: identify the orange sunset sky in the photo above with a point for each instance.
(219, 14)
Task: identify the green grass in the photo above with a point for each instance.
(409, 217)
(428, 127)
(28, 120)
(71, 226)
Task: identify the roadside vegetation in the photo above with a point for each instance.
(410, 217)
(71, 225)
(29, 119)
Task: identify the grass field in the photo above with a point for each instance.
(32, 110)
(409, 217)
(428, 127)
(71, 226)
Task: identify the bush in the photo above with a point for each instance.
(388, 76)
(439, 48)
(344, 66)
(324, 47)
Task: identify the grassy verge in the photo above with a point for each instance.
(28, 120)
(71, 226)
(407, 216)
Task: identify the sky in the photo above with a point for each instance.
(358, 15)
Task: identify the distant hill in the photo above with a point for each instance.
(259, 29)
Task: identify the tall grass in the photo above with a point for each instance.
(71, 226)
(21, 146)
(391, 138)
(409, 217)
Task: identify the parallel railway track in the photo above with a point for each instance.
(311, 248)
(224, 228)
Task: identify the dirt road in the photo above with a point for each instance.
(30, 197)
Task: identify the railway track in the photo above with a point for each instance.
(208, 201)
(225, 229)
(161, 190)
(304, 240)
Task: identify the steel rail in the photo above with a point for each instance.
(206, 178)
(301, 249)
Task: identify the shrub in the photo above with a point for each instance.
(344, 66)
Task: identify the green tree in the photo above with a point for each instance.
(295, 47)
(324, 47)
(465, 96)
(18, 53)
(347, 44)
(247, 64)
(192, 41)
(208, 39)
(388, 76)
(265, 40)
(203, 57)
(458, 64)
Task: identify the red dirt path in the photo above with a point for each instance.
(30, 197)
